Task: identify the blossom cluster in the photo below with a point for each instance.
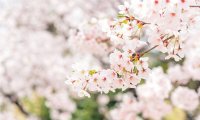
(165, 23)
(161, 25)
(90, 34)
(127, 68)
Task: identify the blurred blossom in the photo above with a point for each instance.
(198, 91)
(103, 100)
(178, 75)
(158, 85)
(198, 117)
(182, 98)
(35, 55)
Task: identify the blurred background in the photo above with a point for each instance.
(36, 56)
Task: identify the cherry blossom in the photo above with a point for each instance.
(127, 69)
(165, 23)
(118, 54)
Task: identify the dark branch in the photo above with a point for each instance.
(195, 6)
(13, 99)
(149, 50)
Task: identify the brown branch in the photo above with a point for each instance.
(13, 99)
(195, 6)
(169, 38)
(148, 50)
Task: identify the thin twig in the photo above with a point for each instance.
(13, 99)
(195, 6)
(149, 50)
(169, 38)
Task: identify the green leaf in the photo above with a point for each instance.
(125, 21)
(120, 15)
(92, 72)
(36, 105)
(87, 109)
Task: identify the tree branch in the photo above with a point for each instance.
(148, 50)
(13, 99)
(195, 6)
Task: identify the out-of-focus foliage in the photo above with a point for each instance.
(87, 109)
(36, 105)
(176, 114)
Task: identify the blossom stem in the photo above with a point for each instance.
(133, 18)
(169, 38)
(149, 50)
